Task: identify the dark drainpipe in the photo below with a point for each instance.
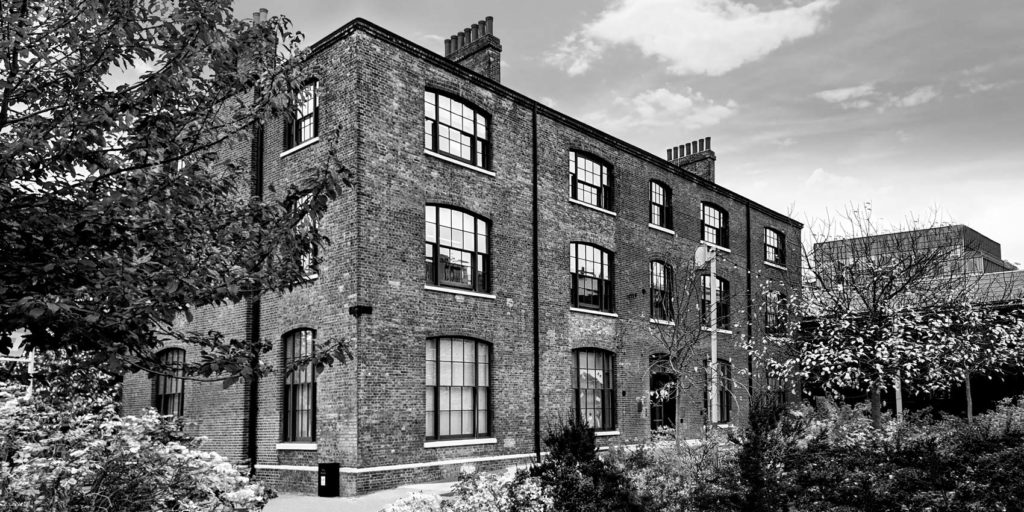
(252, 422)
(750, 306)
(536, 299)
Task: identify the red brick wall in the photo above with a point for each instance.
(370, 411)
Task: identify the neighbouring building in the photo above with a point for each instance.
(494, 264)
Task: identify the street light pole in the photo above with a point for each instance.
(706, 254)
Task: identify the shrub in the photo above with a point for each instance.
(78, 455)
(578, 480)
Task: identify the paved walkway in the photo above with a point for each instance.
(366, 503)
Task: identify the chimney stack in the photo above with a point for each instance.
(695, 157)
(476, 48)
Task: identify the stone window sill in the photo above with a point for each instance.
(297, 447)
(593, 312)
(304, 145)
(460, 163)
(461, 442)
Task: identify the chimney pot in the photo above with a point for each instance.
(489, 28)
(469, 35)
(700, 142)
(708, 143)
(462, 40)
(264, 14)
(447, 47)
(255, 17)
(668, 155)
(476, 31)
(690, 148)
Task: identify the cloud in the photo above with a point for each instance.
(662, 107)
(709, 37)
(866, 96)
(822, 178)
(848, 97)
(918, 96)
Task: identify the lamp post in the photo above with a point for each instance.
(704, 255)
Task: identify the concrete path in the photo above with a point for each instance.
(366, 503)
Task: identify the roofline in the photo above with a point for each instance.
(477, 79)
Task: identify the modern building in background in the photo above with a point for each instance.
(496, 265)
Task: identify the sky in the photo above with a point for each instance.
(909, 108)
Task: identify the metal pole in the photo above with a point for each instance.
(31, 374)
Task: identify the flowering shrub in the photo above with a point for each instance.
(483, 492)
(79, 455)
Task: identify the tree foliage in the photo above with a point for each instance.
(889, 309)
(123, 201)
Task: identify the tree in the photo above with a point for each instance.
(121, 205)
(964, 339)
(677, 328)
(866, 287)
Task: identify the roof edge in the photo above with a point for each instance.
(477, 79)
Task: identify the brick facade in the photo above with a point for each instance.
(370, 412)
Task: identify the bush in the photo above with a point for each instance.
(80, 455)
(576, 477)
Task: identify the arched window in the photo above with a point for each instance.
(722, 299)
(456, 129)
(310, 256)
(774, 247)
(661, 205)
(721, 401)
(661, 291)
(299, 418)
(714, 225)
(591, 268)
(594, 388)
(774, 313)
(305, 122)
(590, 180)
(663, 392)
(457, 249)
(458, 388)
(168, 386)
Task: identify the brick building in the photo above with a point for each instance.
(490, 265)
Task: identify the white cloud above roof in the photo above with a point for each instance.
(661, 107)
(710, 37)
(867, 95)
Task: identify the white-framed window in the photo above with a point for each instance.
(457, 388)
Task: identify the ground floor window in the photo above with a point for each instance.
(594, 388)
(458, 388)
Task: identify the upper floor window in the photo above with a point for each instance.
(310, 254)
(169, 386)
(714, 225)
(456, 249)
(305, 123)
(774, 247)
(661, 205)
(775, 313)
(661, 291)
(453, 128)
(722, 300)
(721, 400)
(591, 180)
(299, 411)
(458, 388)
(593, 384)
(591, 269)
